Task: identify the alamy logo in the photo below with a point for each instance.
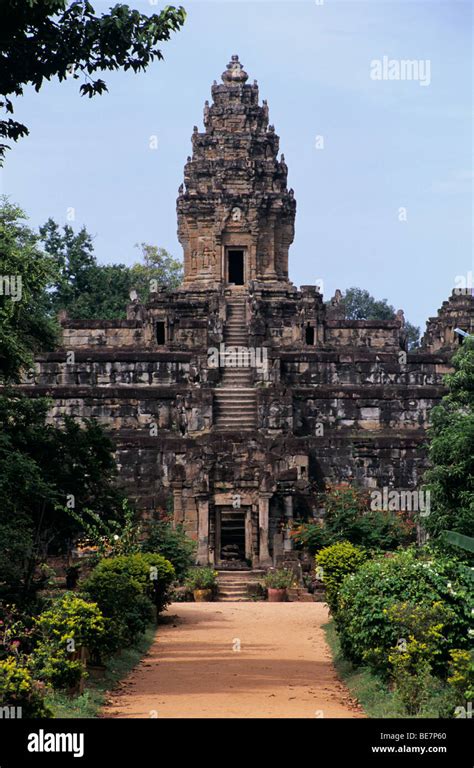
(56, 742)
(237, 357)
(390, 500)
(401, 69)
(464, 284)
(11, 285)
(10, 713)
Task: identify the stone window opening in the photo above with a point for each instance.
(309, 335)
(160, 332)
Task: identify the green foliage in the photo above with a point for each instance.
(109, 537)
(367, 627)
(336, 562)
(451, 476)
(282, 578)
(172, 543)
(201, 578)
(420, 651)
(16, 631)
(348, 517)
(25, 326)
(411, 672)
(158, 269)
(462, 673)
(309, 536)
(383, 700)
(42, 40)
(41, 469)
(68, 625)
(358, 304)
(126, 588)
(19, 689)
(88, 290)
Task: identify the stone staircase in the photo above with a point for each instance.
(232, 585)
(235, 401)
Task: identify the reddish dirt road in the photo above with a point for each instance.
(195, 668)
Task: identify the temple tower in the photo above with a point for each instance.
(235, 213)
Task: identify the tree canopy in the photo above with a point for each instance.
(451, 451)
(43, 39)
(25, 273)
(89, 290)
(359, 304)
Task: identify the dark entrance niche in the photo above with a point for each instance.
(235, 259)
(309, 335)
(160, 331)
(232, 536)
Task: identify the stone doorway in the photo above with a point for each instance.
(235, 266)
(233, 536)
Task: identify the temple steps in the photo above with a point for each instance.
(235, 400)
(232, 585)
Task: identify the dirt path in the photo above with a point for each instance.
(194, 667)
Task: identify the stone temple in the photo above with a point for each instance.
(237, 396)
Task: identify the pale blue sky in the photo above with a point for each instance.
(387, 144)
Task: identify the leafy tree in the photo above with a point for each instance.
(172, 543)
(42, 470)
(43, 39)
(159, 269)
(451, 451)
(348, 517)
(25, 273)
(359, 304)
(88, 290)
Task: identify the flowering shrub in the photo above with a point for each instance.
(349, 517)
(19, 689)
(336, 562)
(16, 632)
(310, 536)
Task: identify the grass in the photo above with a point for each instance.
(373, 694)
(91, 701)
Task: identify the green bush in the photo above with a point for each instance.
(367, 625)
(173, 544)
(333, 564)
(69, 625)
(411, 673)
(461, 677)
(126, 588)
(19, 689)
(201, 578)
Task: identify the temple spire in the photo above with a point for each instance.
(235, 205)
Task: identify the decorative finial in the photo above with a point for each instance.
(195, 129)
(234, 72)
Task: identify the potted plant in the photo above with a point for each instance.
(277, 582)
(202, 582)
